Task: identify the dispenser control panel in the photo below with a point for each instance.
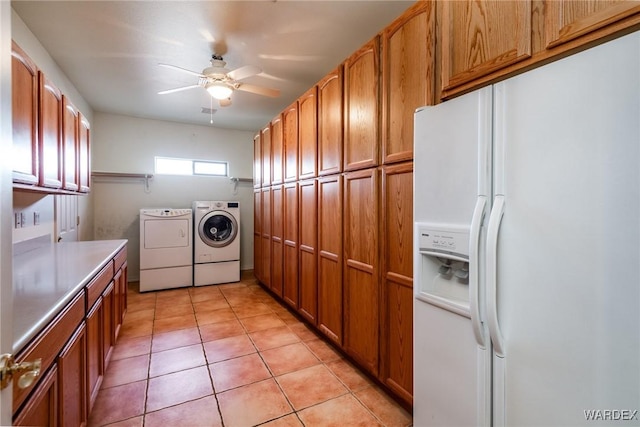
(448, 241)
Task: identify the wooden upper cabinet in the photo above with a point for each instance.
(50, 134)
(480, 37)
(70, 146)
(84, 157)
(330, 123)
(257, 161)
(265, 140)
(408, 77)
(277, 150)
(566, 20)
(361, 100)
(24, 107)
(308, 134)
(290, 137)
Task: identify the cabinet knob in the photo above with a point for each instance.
(26, 372)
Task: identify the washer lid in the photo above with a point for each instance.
(218, 229)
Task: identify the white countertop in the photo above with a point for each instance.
(49, 276)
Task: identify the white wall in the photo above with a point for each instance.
(128, 145)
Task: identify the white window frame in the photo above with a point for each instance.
(194, 164)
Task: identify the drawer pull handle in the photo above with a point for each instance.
(26, 372)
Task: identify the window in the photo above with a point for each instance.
(171, 166)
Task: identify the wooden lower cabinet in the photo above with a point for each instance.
(42, 408)
(277, 240)
(108, 322)
(95, 343)
(361, 284)
(330, 306)
(257, 234)
(396, 261)
(290, 256)
(72, 377)
(307, 250)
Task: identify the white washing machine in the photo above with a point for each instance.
(216, 242)
(166, 249)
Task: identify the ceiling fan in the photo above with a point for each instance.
(220, 82)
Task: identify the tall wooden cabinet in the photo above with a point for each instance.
(257, 233)
(277, 239)
(330, 119)
(307, 253)
(265, 145)
(361, 107)
(277, 151)
(291, 292)
(266, 236)
(361, 284)
(307, 134)
(290, 136)
(257, 160)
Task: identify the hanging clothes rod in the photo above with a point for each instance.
(241, 179)
(144, 176)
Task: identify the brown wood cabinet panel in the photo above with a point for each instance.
(361, 293)
(480, 37)
(277, 239)
(99, 283)
(50, 134)
(290, 136)
(84, 157)
(120, 295)
(24, 109)
(109, 323)
(290, 257)
(70, 145)
(308, 134)
(41, 409)
(361, 111)
(330, 307)
(566, 20)
(73, 382)
(308, 255)
(257, 234)
(95, 357)
(265, 142)
(266, 236)
(408, 77)
(330, 118)
(396, 261)
(257, 161)
(277, 151)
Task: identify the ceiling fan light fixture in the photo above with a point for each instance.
(219, 90)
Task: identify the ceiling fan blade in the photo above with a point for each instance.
(225, 102)
(175, 67)
(274, 93)
(244, 72)
(177, 89)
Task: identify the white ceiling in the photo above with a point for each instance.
(110, 50)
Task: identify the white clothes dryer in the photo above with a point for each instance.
(216, 242)
(166, 249)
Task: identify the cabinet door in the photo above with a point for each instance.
(566, 20)
(308, 135)
(361, 98)
(73, 382)
(120, 298)
(330, 116)
(84, 158)
(408, 77)
(277, 239)
(330, 257)
(290, 136)
(396, 260)
(41, 409)
(479, 37)
(50, 134)
(307, 252)
(277, 150)
(109, 323)
(265, 139)
(266, 236)
(95, 358)
(257, 234)
(70, 145)
(24, 109)
(361, 293)
(257, 161)
(290, 256)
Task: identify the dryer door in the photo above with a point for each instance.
(218, 229)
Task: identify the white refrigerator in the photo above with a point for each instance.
(527, 248)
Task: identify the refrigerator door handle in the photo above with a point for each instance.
(492, 257)
(474, 284)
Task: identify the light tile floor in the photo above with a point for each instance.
(230, 355)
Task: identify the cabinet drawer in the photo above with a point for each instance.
(48, 344)
(120, 259)
(98, 284)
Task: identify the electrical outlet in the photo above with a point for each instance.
(36, 218)
(23, 219)
(18, 220)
